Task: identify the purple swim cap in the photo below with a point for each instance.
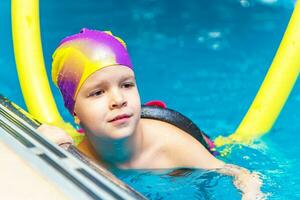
(80, 55)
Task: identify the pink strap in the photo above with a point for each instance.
(80, 130)
(156, 103)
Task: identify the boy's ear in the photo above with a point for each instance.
(76, 119)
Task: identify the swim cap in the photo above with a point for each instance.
(80, 55)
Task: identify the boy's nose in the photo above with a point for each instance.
(117, 100)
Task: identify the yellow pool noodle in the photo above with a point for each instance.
(31, 68)
(275, 88)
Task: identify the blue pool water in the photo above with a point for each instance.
(206, 59)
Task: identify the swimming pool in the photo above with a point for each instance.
(204, 59)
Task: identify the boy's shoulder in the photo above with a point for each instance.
(178, 147)
(166, 135)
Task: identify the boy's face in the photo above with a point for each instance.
(108, 102)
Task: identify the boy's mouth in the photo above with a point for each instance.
(120, 117)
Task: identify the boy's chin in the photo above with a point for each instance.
(111, 133)
(120, 134)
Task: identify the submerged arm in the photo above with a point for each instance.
(248, 183)
(197, 156)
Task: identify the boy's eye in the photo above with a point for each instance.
(128, 85)
(96, 93)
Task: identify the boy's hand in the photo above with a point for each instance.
(250, 185)
(56, 135)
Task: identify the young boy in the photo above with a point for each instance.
(95, 76)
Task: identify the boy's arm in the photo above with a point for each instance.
(195, 155)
